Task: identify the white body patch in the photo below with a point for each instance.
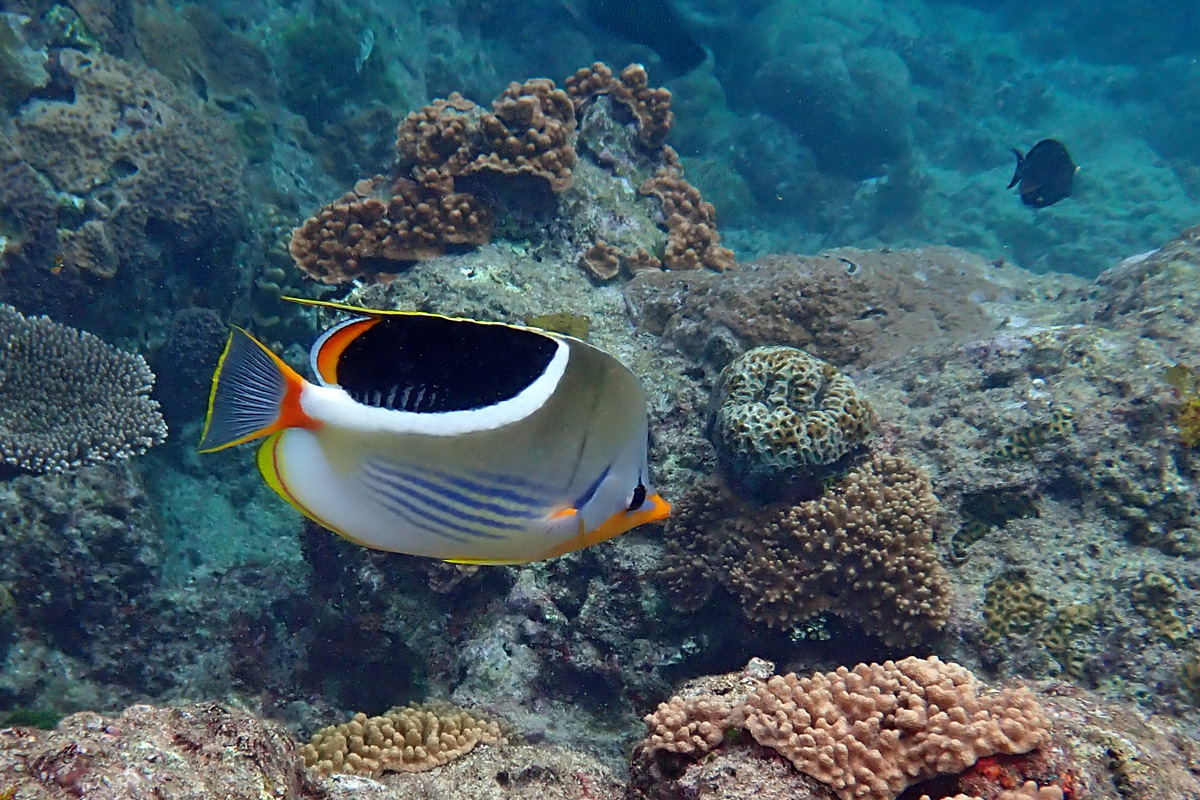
(333, 406)
(345, 503)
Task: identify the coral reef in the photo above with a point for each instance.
(530, 131)
(692, 238)
(631, 89)
(80, 557)
(1086, 747)
(118, 187)
(862, 551)
(162, 172)
(69, 398)
(409, 739)
(371, 232)
(201, 751)
(782, 416)
(184, 364)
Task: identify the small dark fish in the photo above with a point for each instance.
(655, 23)
(1045, 174)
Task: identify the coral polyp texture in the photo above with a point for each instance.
(452, 154)
(862, 551)
(68, 398)
(783, 415)
(530, 130)
(868, 732)
(1030, 790)
(412, 738)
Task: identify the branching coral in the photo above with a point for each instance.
(529, 131)
(367, 233)
(862, 551)
(67, 398)
(411, 738)
(691, 222)
(650, 107)
(446, 148)
(867, 732)
(439, 135)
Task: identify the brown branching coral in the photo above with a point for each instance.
(365, 236)
(691, 222)
(411, 738)
(439, 135)
(67, 398)
(862, 551)
(867, 732)
(602, 260)
(650, 107)
(529, 131)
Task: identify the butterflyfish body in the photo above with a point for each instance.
(473, 442)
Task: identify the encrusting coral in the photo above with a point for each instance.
(67, 398)
(862, 551)
(136, 161)
(868, 732)
(781, 415)
(410, 738)
(1027, 791)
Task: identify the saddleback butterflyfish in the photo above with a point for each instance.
(473, 442)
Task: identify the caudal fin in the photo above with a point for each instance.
(254, 394)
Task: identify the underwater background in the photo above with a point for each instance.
(905, 419)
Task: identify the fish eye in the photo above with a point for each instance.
(639, 497)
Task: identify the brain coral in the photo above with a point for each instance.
(67, 398)
(406, 739)
(782, 415)
(862, 551)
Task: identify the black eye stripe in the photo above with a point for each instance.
(639, 497)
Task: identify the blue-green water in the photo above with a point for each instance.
(170, 169)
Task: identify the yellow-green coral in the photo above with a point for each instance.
(1187, 416)
(1062, 639)
(1024, 443)
(1010, 606)
(1154, 597)
(1189, 678)
(984, 511)
(412, 738)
